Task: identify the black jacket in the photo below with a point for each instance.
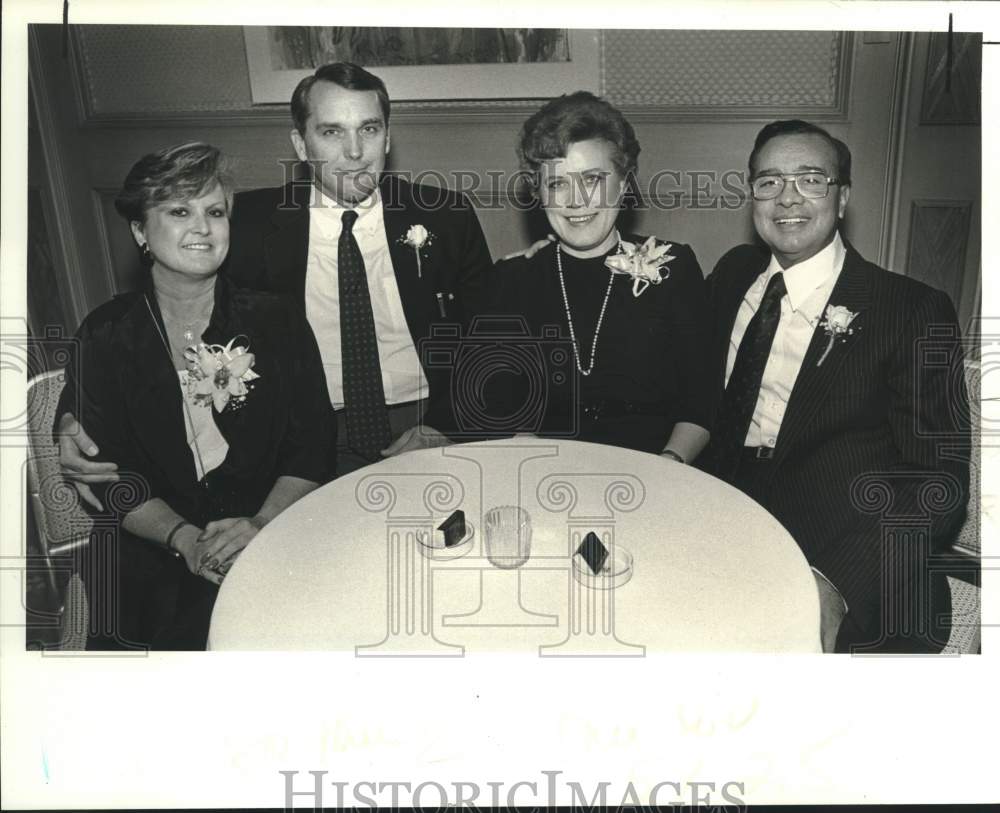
(269, 250)
(126, 393)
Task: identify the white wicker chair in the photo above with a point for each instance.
(965, 610)
(62, 524)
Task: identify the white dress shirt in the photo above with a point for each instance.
(403, 378)
(809, 285)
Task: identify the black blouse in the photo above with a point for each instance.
(126, 393)
(652, 368)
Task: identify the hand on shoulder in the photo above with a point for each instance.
(531, 251)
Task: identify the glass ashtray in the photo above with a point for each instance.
(431, 544)
(616, 570)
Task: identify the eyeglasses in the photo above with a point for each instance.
(808, 184)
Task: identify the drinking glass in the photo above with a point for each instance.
(508, 536)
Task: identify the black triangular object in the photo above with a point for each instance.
(593, 552)
(453, 528)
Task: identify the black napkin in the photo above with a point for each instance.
(453, 528)
(593, 552)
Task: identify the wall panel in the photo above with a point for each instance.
(939, 239)
(723, 72)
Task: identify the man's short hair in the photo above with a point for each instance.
(344, 74)
(799, 127)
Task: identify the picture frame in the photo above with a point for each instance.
(270, 84)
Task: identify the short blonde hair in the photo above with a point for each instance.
(180, 172)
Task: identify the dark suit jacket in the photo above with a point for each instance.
(269, 249)
(874, 439)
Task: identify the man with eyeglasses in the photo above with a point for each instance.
(826, 407)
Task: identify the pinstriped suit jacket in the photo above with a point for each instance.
(873, 441)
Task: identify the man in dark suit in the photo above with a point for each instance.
(377, 262)
(421, 248)
(831, 418)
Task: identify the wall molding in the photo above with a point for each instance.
(63, 234)
(281, 118)
(97, 198)
(899, 109)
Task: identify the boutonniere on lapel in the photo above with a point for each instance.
(837, 324)
(417, 237)
(219, 375)
(646, 264)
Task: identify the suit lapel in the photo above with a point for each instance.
(415, 291)
(286, 249)
(852, 291)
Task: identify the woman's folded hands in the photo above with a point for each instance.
(223, 539)
(210, 553)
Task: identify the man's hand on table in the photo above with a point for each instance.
(831, 612)
(416, 437)
(75, 446)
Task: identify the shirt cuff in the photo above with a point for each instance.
(832, 585)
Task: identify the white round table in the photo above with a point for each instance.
(342, 569)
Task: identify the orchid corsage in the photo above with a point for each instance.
(646, 264)
(219, 375)
(417, 237)
(837, 324)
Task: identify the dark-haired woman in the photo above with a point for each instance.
(210, 399)
(634, 308)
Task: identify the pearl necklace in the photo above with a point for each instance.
(569, 316)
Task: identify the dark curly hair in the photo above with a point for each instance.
(575, 117)
(180, 172)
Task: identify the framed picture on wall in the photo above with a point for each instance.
(421, 64)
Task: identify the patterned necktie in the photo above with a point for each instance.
(741, 394)
(366, 415)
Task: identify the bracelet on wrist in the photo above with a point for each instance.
(673, 456)
(170, 537)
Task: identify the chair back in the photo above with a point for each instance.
(968, 540)
(965, 589)
(62, 523)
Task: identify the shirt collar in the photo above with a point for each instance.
(803, 279)
(327, 213)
